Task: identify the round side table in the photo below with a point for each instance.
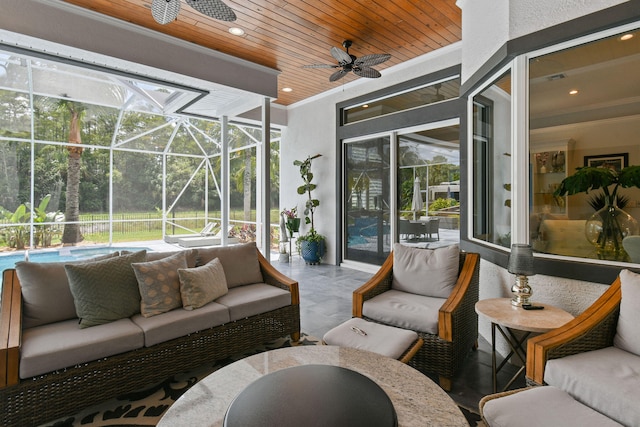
(507, 318)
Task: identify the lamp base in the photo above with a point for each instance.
(521, 291)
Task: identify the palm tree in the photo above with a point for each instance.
(71, 233)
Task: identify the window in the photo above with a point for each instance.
(491, 151)
(430, 93)
(583, 111)
(105, 158)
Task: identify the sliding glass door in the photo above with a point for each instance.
(367, 206)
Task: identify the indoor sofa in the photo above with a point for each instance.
(59, 354)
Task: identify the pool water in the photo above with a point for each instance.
(62, 255)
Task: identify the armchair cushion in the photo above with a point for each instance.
(627, 332)
(201, 285)
(427, 272)
(605, 380)
(405, 310)
(553, 407)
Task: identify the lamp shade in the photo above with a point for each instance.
(521, 260)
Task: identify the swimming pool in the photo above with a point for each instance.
(61, 255)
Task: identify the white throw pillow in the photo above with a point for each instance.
(201, 285)
(428, 272)
(628, 333)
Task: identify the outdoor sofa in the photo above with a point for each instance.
(51, 367)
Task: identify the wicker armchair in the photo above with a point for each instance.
(441, 354)
(594, 329)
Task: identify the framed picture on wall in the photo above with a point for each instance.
(613, 161)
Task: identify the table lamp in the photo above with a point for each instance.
(521, 264)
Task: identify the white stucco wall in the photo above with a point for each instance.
(488, 24)
(312, 129)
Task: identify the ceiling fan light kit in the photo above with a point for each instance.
(165, 11)
(347, 62)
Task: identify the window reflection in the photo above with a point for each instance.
(584, 109)
(416, 97)
(429, 187)
(366, 193)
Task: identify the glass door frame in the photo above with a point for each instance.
(393, 182)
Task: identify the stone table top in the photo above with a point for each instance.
(418, 401)
(502, 312)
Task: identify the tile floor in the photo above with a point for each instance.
(325, 301)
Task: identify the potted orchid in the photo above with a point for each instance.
(291, 220)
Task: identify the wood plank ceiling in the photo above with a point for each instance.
(286, 35)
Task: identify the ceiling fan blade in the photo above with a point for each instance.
(341, 56)
(320, 66)
(366, 72)
(213, 8)
(165, 11)
(374, 59)
(337, 75)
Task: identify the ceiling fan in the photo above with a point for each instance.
(347, 62)
(165, 11)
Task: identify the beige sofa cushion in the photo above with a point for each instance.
(159, 284)
(628, 330)
(46, 296)
(190, 254)
(201, 285)
(427, 272)
(240, 263)
(605, 380)
(60, 345)
(180, 322)
(249, 300)
(405, 310)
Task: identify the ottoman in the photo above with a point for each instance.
(389, 341)
(539, 406)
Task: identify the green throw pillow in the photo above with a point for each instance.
(104, 291)
(159, 283)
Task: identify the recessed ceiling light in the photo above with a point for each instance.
(287, 89)
(365, 106)
(236, 31)
(626, 37)
(573, 92)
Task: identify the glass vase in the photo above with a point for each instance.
(605, 230)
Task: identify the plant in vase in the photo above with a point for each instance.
(311, 244)
(606, 228)
(291, 220)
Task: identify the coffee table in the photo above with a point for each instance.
(417, 400)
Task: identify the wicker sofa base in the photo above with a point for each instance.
(48, 397)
